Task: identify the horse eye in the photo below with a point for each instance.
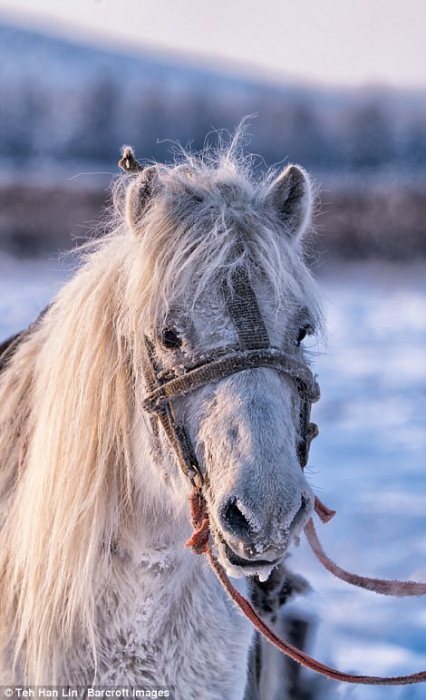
(170, 339)
(301, 335)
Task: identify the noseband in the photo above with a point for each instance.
(252, 351)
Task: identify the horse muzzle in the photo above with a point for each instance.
(246, 550)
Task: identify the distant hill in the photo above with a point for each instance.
(66, 102)
(62, 62)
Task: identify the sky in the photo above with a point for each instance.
(338, 42)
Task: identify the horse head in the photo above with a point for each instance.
(226, 253)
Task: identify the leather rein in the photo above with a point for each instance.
(253, 351)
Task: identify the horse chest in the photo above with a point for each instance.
(181, 632)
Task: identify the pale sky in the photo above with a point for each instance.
(342, 42)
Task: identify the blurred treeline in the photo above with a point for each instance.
(366, 136)
(67, 108)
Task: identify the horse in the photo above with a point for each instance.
(96, 584)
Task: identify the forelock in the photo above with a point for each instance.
(206, 217)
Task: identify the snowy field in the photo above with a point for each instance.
(369, 462)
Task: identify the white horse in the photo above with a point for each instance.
(96, 584)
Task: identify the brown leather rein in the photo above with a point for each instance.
(200, 543)
(253, 351)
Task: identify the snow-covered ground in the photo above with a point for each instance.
(369, 461)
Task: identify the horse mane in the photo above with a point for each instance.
(67, 480)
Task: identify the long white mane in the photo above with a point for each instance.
(68, 489)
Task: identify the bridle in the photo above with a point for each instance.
(252, 351)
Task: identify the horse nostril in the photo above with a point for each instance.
(233, 519)
(301, 515)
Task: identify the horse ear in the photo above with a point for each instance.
(138, 196)
(290, 197)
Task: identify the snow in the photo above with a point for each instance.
(368, 461)
(26, 286)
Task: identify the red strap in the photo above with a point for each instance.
(324, 513)
(200, 544)
(377, 585)
(296, 654)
